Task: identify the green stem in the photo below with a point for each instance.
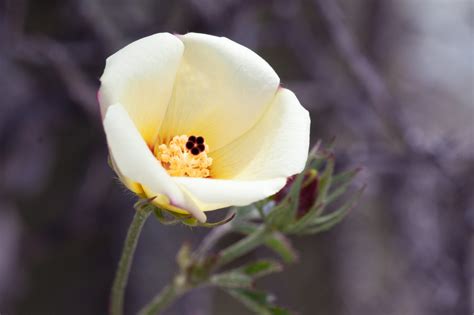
(244, 246)
(166, 297)
(123, 270)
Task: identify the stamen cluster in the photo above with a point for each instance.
(185, 156)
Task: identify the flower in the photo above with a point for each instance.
(200, 123)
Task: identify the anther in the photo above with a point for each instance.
(200, 140)
(192, 139)
(189, 145)
(195, 151)
(201, 147)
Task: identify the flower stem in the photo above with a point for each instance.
(167, 296)
(244, 246)
(123, 270)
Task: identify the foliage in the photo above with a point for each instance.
(310, 203)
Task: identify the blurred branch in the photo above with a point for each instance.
(101, 24)
(381, 102)
(365, 72)
(40, 51)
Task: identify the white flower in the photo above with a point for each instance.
(250, 134)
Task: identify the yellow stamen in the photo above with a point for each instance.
(179, 161)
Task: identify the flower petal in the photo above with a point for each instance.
(134, 160)
(141, 76)
(277, 146)
(211, 194)
(221, 90)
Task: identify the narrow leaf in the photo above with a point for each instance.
(232, 279)
(257, 301)
(281, 245)
(276, 242)
(307, 219)
(261, 268)
(326, 222)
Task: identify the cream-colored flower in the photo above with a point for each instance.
(200, 122)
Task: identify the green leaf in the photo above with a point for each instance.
(345, 177)
(257, 301)
(244, 212)
(308, 219)
(183, 258)
(279, 311)
(232, 279)
(285, 212)
(261, 268)
(328, 221)
(341, 182)
(281, 245)
(276, 242)
(325, 180)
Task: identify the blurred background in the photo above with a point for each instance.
(392, 80)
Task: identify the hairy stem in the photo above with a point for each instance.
(123, 270)
(244, 246)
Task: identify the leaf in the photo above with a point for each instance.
(244, 212)
(276, 242)
(326, 222)
(307, 219)
(285, 212)
(183, 258)
(341, 182)
(279, 311)
(345, 177)
(232, 279)
(281, 245)
(261, 268)
(257, 301)
(325, 181)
